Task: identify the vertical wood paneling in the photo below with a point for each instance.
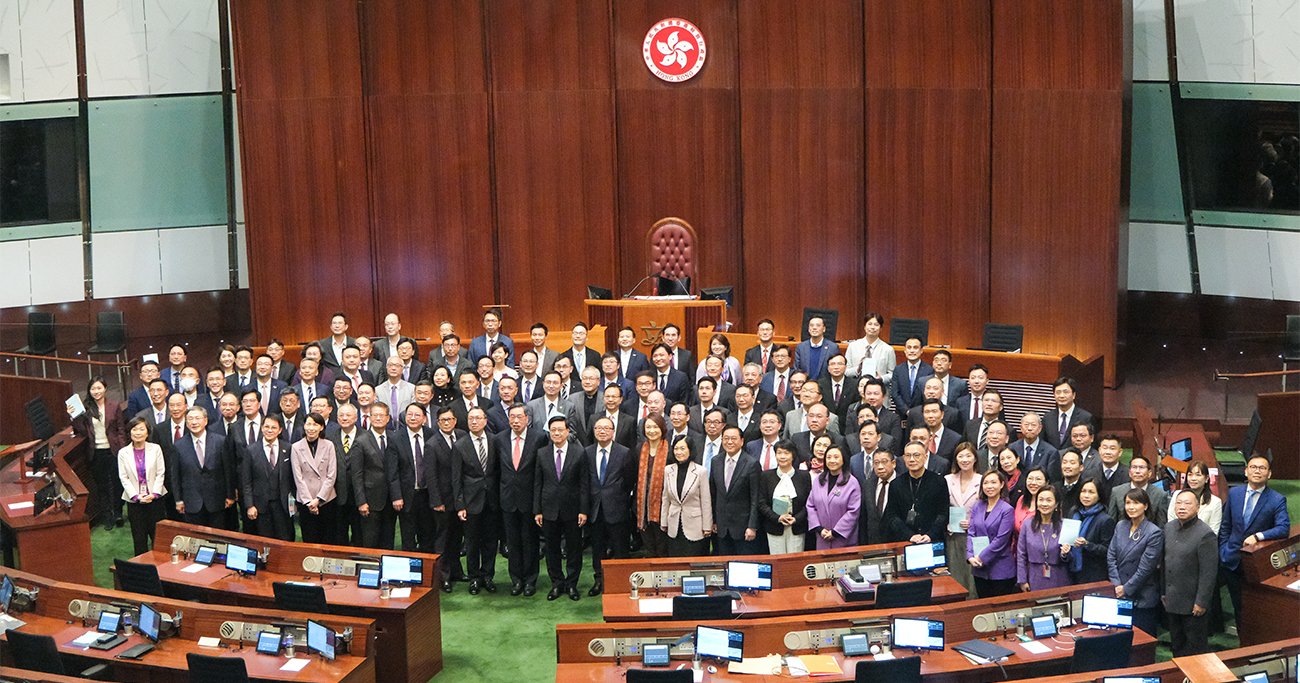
(801, 159)
(928, 95)
(430, 165)
(678, 152)
(553, 155)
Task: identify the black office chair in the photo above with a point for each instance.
(41, 653)
(830, 316)
(209, 669)
(902, 670)
(902, 329)
(703, 608)
(110, 339)
(295, 597)
(136, 577)
(651, 676)
(1110, 651)
(1000, 337)
(40, 339)
(904, 593)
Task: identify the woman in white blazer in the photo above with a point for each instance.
(315, 470)
(142, 471)
(686, 513)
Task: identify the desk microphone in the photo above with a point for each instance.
(638, 284)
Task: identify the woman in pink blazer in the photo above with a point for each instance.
(142, 473)
(315, 470)
(686, 511)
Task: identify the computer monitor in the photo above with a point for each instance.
(654, 655)
(666, 286)
(1100, 610)
(205, 555)
(923, 556)
(1044, 625)
(727, 294)
(719, 643)
(320, 639)
(1181, 449)
(268, 642)
(918, 634)
(855, 644)
(150, 622)
(398, 570)
(6, 593)
(241, 559)
(109, 620)
(599, 293)
(367, 577)
(693, 585)
(749, 576)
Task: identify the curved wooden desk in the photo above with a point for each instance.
(55, 543)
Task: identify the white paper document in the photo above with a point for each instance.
(1035, 648)
(194, 568)
(955, 516)
(655, 605)
(296, 664)
(401, 593)
(1070, 531)
(87, 638)
(75, 407)
(209, 641)
(23, 505)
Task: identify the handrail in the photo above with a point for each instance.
(1247, 375)
(64, 359)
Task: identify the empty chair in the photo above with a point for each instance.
(1000, 337)
(110, 338)
(40, 339)
(712, 607)
(41, 653)
(651, 676)
(904, 593)
(829, 316)
(902, 329)
(902, 670)
(1110, 651)
(135, 577)
(209, 669)
(299, 598)
(672, 249)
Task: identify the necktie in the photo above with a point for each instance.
(1029, 457)
(517, 452)
(243, 381)
(710, 451)
(1064, 430)
(198, 450)
(270, 455)
(767, 456)
(934, 445)
(1252, 497)
(383, 442)
(982, 443)
(176, 380)
(911, 376)
(837, 393)
(974, 406)
(406, 373)
(881, 488)
(663, 381)
(418, 449)
(645, 411)
(310, 395)
(603, 461)
(766, 353)
(559, 462)
(177, 435)
(564, 390)
(265, 391)
(159, 417)
(252, 432)
(347, 443)
(392, 398)
(550, 410)
(868, 350)
(780, 388)
(731, 468)
(365, 422)
(482, 453)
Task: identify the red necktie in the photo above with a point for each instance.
(177, 436)
(767, 457)
(515, 455)
(934, 446)
(780, 388)
(765, 355)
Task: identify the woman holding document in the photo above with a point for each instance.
(1088, 554)
(989, 546)
(782, 501)
(963, 490)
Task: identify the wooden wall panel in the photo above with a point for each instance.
(678, 144)
(430, 170)
(928, 98)
(801, 160)
(552, 155)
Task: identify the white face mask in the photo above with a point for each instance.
(187, 384)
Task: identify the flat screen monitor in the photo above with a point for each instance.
(109, 621)
(749, 576)
(150, 622)
(205, 555)
(268, 643)
(241, 559)
(918, 634)
(855, 644)
(368, 577)
(923, 556)
(599, 293)
(693, 585)
(727, 294)
(399, 570)
(1044, 626)
(1256, 677)
(6, 593)
(1181, 449)
(719, 643)
(654, 655)
(666, 286)
(320, 639)
(1100, 610)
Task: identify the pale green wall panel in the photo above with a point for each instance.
(1155, 191)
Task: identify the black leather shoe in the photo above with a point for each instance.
(573, 593)
(554, 594)
(473, 587)
(489, 586)
(530, 590)
(516, 588)
(596, 589)
(446, 586)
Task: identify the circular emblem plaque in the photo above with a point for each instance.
(674, 50)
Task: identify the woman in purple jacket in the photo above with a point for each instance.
(1040, 559)
(992, 522)
(833, 504)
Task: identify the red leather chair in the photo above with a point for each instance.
(673, 246)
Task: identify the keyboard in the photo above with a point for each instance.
(136, 651)
(108, 644)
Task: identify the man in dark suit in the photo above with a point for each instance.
(383, 427)
(561, 503)
(369, 364)
(448, 355)
(281, 368)
(367, 479)
(763, 447)
(139, 398)
(405, 462)
(873, 527)
(888, 422)
(990, 410)
(733, 483)
(1109, 470)
(176, 361)
(481, 345)
(611, 491)
(751, 375)
(581, 356)
(309, 385)
(777, 380)
(951, 387)
(166, 434)
(331, 347)
(610, 373)
(812, 354)
(438, 477)
(908, 383)
(1081, 436)
(291, 416)
(679, 358)
(838, 390)
(387, 345)
(942, 442)
(266, 483)
(747, 413)
(706, 389)
(469, 398)
(818, 419)
(543, 356)
(761, 353)
(214, 387)
(267, 386)
(934, 390)
(477, 500)
(1056, 425)
(516, 450)
(624, 424)
(1252, 514)
(674, 384)
(412, 368)
(630, 361)
(968, 404)
(498, 416)
(351, 370)
(201, 485)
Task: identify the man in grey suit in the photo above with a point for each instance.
(1034, 451)
(1139, 475)
(546, 406)
(368, 480)
(1191, 570)
(734, 487)
(449, 355)
(394, 392)
(581, 405)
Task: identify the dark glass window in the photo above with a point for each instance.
(38, 171)
(1242, 154)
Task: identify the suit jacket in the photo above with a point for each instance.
(137, 401)
(1045, 456)
(957, 387)
(277, 387)
(562, 496)
(946, 449)
(318, 388)
(770, 385)
(767, 481)
(405, 396)
(951, 419)
(285, 372)
(314, 476)
(436, 358)
(537, 413)
(474, 486)
(754, 354)
(461, 412)
(905, 395)
(682, 360)
(803, 358)
(327, 357)
(848, 396)
(164, 436)
(515, 485)
(1269, 519)
(384, 349)
(413, 373)
(478, 347)
(498, 418)
(1052, 425)
(439, 472)
(636, 364)
(590, 356)
(803, 444)
(203, 487)
(399, 464)
(367, 474)
(628, 387)
(875, 526)
(678, 387)
(794, 419)
(750, 431)
(735, 509)
(155, 473)
(696, 412)
(580, 421)
(611, 500)
(210, 403)
(1135, 564)
(262, 484)
(688, 512)
(624, 428)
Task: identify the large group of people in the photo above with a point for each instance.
(482, 448)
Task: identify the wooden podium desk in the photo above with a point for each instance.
(167, 663)
(55, 543)
(1269, 609)
(1169, 672)
(649, 316)
(408, 645)
(1279, 432)
(1256, 561)
(10, 674)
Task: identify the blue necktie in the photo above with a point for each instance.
(1252, 497)
(911, 374)
(603, 462)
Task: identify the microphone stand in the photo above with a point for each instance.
(638, 284)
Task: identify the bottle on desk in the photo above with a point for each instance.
(176, 554)
(127, 627)
(288, 645)
(385, 589)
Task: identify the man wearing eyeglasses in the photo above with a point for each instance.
(1252, 513)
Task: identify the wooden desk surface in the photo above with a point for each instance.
(1170, 673)
(169, 654)
(947, 665)
(774, 603)
(1269, 610)
(1256, 564)
(55, 543)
